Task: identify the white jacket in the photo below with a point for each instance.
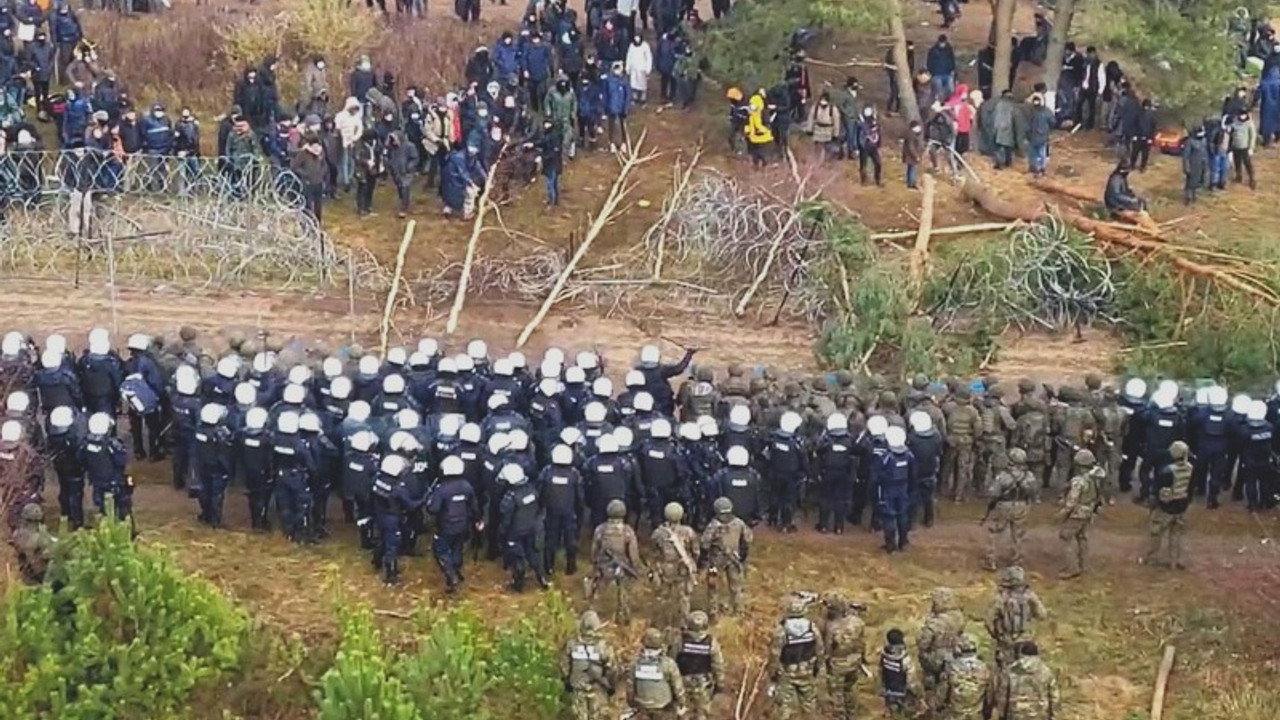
(350, 125)
(639, 65)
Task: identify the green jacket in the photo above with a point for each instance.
(562, 107)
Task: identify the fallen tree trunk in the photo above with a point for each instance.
(1162, 682)
(920, 253)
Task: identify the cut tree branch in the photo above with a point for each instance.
(385, 327)
(476, 227)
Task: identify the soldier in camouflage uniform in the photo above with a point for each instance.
(844, 637)
(676, 545)
(734, 390)
(1011, 613)
(937, 642)
(1026, 391)
(1032, 435)
(963, 423)
(615, 557)
(1093, 386)
(588, 666)
(997, 425)
(701, 663)
(760, 399)
(1078, 509)
(655, 690)
(698, 395)
(1108, 444)
(1010, 492)
(796, 657)
(1027, 690)
(1078, 430)
(888, 406)
(967, 684)
(32, 544)
(726, 542)
(846, 394)
(1169, 506)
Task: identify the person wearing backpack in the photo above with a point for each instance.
(1169, 507)
(1009, 617)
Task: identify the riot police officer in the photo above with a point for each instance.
(452, 504)
(213, 462)
(105, 464)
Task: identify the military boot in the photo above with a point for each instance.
(392, 573)
(571, 564)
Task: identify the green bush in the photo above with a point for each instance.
(360, 685)
(448, 676)
(125, 634)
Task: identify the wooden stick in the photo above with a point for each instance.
(393, 614)
(742, 691)
(953, 230)
(851, 64)
(351, 293)
(385, 331)
(660, 228)
(1162, 681)
(920, 253)
(621, 188)
(476, 226)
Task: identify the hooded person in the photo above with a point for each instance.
(639, 65)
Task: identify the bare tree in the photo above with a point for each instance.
(1002, 31)
(902, 69)
(1063, 13)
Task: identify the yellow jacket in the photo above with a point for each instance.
(758, 132)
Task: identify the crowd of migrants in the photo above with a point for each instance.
(957, 118)
(536, 96)
(491, 454)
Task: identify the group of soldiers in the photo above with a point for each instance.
(678, 673)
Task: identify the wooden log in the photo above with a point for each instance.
(1162, 682)
(385, 327)
(920, 252)
(659, 229)
(972, 229)
(460, 296)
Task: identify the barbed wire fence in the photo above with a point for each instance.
(199, 221)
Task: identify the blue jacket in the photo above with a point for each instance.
(1269, 104)
(66, 29)
(617, 96)
(664, 60)
(537, 61)
(941, 61)
(157, 135)
(75, 120)
(590, 101)
(506, 61)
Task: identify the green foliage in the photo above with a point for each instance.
(750, 48)
(526, 662)
(1186, 53)
(126, 634)
(449, 674)
(360, 685)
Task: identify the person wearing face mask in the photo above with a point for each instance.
(913, 152)
(368, 167)
(639, 65)
(617, 103)
(825, 125)
(1039, 124)
(536, 67)
(40, 57)
(314, 97)
(401, 159)
(157, 144)
(312, 170)
(562, 107)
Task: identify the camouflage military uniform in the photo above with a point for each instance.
(844, 637)
(997, 424)
(701, 664)
(1108, 445)
(962, 425)
(795, 658)
(725, 544)
(676, 546)
(1010, 492)
(938, 637)
(897, 678)
(1077, 431)
(32, 544)
(1079, 507)
(1031, 434)
(1168, 514)
(1027, 691)
(966, 685)
(1011, 613)
(655, 690)
(588, 665)
(615, 556)
(698, 396)
(735, 390)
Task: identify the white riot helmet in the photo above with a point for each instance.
(331, 367)
(11, 431)
(359, 411)
(895, 437)
(876, 425)
(553, 355)
(309, 422)
(570, 435)
(1135, 388)
(512, 474)
(397, 356)
(299, 375)
(139, 342)
(99, 341)
(562, 455)
(419, 360)
(185, 383)
(837, 423)
(497, 400)
(212, 413)
(12, 343)
(469, 433)
(408, 419)
(368, 365)
(920, 422)
(518, 360)
(393, 465)
(739, 416)
(1168, 387)
(452, 466)
(587, 360)
(661, 429)
(789, 422)
(429, 347)
(689, 432)
(1257, 410)
(549, 370)
(51, 359)
(99, 424)
(642, 402)
(246, 394)
(18, 402)
(228, 367)
(477, 350)
(263, 361)
(186, 372)
(602, 387)
(502, 368)
(465, 363)
(1162, 399)
(650, 356)
(446, 366)
(1202, 396)
(594, 412)
(450, 424)
(519, 440)
(548, 386)
(256, 418)
(62, 417)
(737, 456)
(402, 441)
(633, 379)
(393, 384)
(363, 440)
(1240, 404)
(498, 442)
(607, 444)
(294, 394)
(623, 436)
(708, 426)
(1218, 396)
(340, 387)
(575, 375)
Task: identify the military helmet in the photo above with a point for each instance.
(1035, 404)
(673, 512)
(235, 340)
(796, 606)
(1018, 456)
(704, 373)
(616, 509)
(758, 385)
(1026, 385)
(1179, 450)
(32, 512)
(735, 370)
(919, 382)
(943, 599)
(1067, 394)
(888, 398)
(967, 643)
(250, 348)
(844, 378)
(188, 333)
(836, 602)
(697, 621)
(989, 382)
(1084, 458)
(589, 622)
(1013, 577)
(722, 506)
(1093, 381)
(961, 391)
(652, 639)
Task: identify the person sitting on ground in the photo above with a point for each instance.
(1120, 199)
